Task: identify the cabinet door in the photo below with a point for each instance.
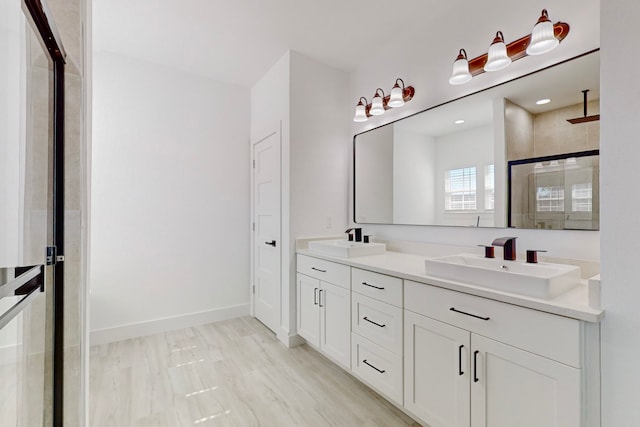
(335, 323)
(308, 309)
(436, 369)
(512, 387)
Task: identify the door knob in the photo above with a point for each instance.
(271, 243)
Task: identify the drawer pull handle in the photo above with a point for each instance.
(370, 365)
(371, 321)
(315, 296)
(460, 371)
(372, 286)
(469, 314)
(317, 269)
(475, 366)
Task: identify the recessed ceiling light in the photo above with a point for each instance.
(543, 101)
(459, 122)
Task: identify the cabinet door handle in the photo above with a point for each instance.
(271, 243)
(317, 269)
(460, 371)
(469, 314)
(371, 321)
(315, 296)
(370, 365)
(475, 366)
(372, 286)
(320, 298)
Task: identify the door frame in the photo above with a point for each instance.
(252, 258)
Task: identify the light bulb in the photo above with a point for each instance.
(377, 105)
(396, 99)
(460, 73)
(543, 39)
(361, 112)
(497, 58)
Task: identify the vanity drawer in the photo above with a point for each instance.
(327, 271)
(546, 334)
(379, 322)
(379, 368)
(377, 286)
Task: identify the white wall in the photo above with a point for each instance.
(320, 148)
(620, 151)
(309, 99)
(170, 199)
(424, 58)
(413, 177)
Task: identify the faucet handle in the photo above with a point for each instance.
(489, 251)
(532, 255)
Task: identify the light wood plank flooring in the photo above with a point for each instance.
(230, 373)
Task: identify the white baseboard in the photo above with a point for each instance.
(135, 330)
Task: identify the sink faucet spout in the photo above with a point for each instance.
(509, 246)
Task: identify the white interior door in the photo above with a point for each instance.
(266, 243)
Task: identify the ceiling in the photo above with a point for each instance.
(238, 41)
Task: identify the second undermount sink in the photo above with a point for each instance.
(541, 280)
(346, 248)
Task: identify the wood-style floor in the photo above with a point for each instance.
(231, 373)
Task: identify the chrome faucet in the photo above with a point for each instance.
(509, 246)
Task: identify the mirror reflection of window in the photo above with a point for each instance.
(550, 199)
(460, 189)
(581, 197)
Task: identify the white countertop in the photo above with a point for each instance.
(574, 303)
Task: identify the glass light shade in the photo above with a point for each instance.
(396, 99)
(460, 72)
(376, 106)
(543, 39)
(497, 58)
(361, 113)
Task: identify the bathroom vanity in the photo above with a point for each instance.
(450, 353)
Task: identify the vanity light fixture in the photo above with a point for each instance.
(542, 38)
(500, 54)
(400, 94)
(396, 99)
(460, 72)
(543, 101)
(361, 110)
(378, 103)
(497, 58)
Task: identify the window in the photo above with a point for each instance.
(489, 188)
(550, 199)
(460, 189)
(581, 197)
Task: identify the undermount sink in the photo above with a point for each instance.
(346, 248)
(541, 280)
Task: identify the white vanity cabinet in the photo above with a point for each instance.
(376, 325)
(324, 307)
(470, 361)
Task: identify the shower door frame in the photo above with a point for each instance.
(43, 22)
